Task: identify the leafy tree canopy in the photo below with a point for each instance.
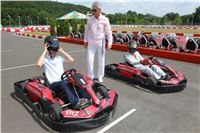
(44, 12)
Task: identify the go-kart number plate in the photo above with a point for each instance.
(72, 113)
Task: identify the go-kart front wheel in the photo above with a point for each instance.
(54, 112)
(103, 91)
(110, 69)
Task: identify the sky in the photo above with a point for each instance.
(155, 7)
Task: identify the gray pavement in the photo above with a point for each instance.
(173, 112)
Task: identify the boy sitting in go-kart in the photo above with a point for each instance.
(53, 69)
(133, 57)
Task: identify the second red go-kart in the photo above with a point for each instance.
(124, 71)
(55, 110)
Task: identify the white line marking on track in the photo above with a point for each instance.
(7, 50)
(116, 121)
(76, 51)
(5, 69)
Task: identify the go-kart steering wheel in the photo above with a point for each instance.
(67, 73)
(72, 71)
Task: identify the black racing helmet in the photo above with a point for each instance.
(132, 46)
(53, 43)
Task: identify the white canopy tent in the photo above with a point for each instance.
(73, 15)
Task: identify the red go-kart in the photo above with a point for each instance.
(55, 110)
(176, 80)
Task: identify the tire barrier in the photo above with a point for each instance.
(27, 29)
(30, 35)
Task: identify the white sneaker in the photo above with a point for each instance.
(100, 80)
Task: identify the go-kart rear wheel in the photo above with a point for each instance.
(54, 112)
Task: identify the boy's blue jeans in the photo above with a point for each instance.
(69, 91)
(65, 86)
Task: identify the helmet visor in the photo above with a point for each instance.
(134, 45)
(53, 48)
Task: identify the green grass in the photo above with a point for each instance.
(39, 33)
(192, 31)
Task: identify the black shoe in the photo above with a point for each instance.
(77, 106)
(95, 80)
(83, 101)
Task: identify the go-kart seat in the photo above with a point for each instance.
(173, 42)
(117, 38)
(165, 42)
(191, 45)
(135, 37)
(152, 42)
(143, 41)
(130, 36)
(169, 44)
(114, 36)
(79, 79)
(198, 42)
(125, 37)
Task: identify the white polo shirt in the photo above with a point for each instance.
(53, 68)
(98, 29)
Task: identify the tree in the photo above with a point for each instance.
(82, 27)
(35, 9)
(53, 25)
(53, 9)
(74, 26)
(196, 17)
(63, 28)
(186, 19)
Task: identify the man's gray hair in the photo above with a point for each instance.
(96, 4)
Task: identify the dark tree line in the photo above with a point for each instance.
(132, 17)
(24, 13)
(35, 12)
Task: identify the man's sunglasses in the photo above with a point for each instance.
(94, 10)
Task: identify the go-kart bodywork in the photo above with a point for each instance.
(130, 74)
(54, 109)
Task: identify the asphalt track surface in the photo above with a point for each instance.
(172, 112)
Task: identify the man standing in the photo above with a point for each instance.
(97, 29)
